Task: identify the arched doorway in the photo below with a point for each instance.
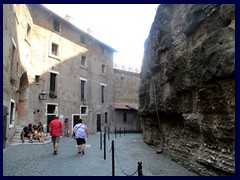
(23, 98)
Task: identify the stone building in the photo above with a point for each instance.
(12, 67)
(187, 89)
(55, 68)
(126, 85)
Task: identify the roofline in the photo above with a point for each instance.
(72, 25)
(126, 71)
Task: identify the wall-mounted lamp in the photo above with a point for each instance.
(43, 95)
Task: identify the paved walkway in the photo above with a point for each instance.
(38, 160)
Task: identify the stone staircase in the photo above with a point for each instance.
(17, 139)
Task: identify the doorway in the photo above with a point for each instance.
(49, 119)
(98, 122)
(52, 110)
(4, 126)
(75, 118)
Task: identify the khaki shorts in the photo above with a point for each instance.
(55, 139)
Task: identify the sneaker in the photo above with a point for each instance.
(83, 152)
(22, 141)
(79, 152)
(55, 153)
(30, 141)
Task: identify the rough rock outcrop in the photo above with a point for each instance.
(187, 90)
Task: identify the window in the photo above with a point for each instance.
(12, 113)
(37, 79)
(83, 110)
(17, 69)
(51, 108)
(52, 81)
(56, 26)
(83, 60)
(124, 117)
(82, 90)
(103, 68)
(12, 58)
(82, 39)
(103, 93)
(54, 49)
(14, 47)
(53, 85)
(106, 117)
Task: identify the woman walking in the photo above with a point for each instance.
(80, 134)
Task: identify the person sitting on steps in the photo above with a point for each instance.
(27, 132)
(37, 134)
(41, 130)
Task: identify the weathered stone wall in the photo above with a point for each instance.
(126, 85)
(15, 18)
(9, 38)
(187, 90)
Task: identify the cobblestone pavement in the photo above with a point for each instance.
(38, 160)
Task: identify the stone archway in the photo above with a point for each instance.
(23, 100)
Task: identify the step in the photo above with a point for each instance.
(18, 134)
(35, 142)
(17, 138)
(20, 128)
(16, 141)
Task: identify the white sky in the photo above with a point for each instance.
(124, 27)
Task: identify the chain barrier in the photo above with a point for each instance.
(113, 150)
(122, 169)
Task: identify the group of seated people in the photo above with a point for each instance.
(33, 132)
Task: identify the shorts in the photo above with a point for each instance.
(80, 141)
(27, 134)
(55, 139)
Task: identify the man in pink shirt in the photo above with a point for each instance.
(55, 129)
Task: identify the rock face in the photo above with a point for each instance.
(187, 89)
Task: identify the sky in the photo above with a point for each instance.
(123, 27)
